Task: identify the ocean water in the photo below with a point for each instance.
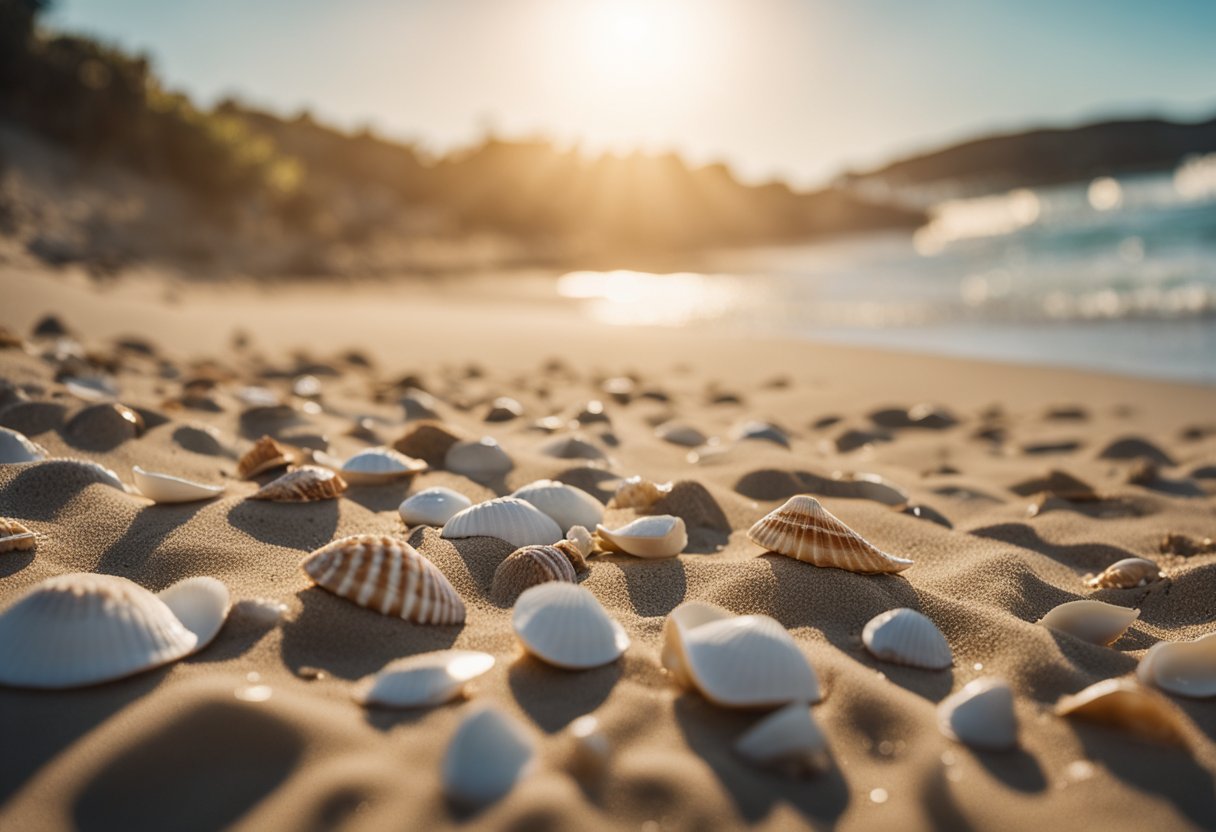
(1114, 274)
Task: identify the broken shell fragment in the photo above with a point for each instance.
(583, 543)
(1122, 703)
(163, 488)
(1185, 668)
(788, 741)
(424, 680)
(481, 461)
(432, 507)
(303, 485)
(15, 537)
(658, 536)
(905, 636)
(564, 625)
(265, 455)
(489, 753)
(805, 530)
(567, 505)
(639, 494)
(980, 715)
(506, 518)
(1126, 574)
(1094, 621)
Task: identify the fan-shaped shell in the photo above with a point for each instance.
(306, 484)
(789, 741)
(1121, 703)
(423, 680)
(489, 753)
(1185, 668)
(980, 715)
(201, 604)
(567, 505)
(563, 624)
(480, 461)
(680, 434)
(639, 494)
(805, 530)
(1126, 574)
(529, 566)
(163, 488)
(265, 455)
(16, 447)
(379, 465)
(515, 521)
(658, 536)
(432, 507)
(15, 537)
(388, 576)
(1094, 621)
(905, 636)
(571, 447)
(81, 629)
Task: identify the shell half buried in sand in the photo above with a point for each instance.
(15, 537)
(1094, 621)
(564, 625)
(376, 466)
(1185, 668)
(788, 741)
(532, 565)
(481, 461)
(907, 637)
(980, 715)
(306, 484)
(432, 507)
(805, 530)
(424, 680)
(163, 488)
(265, 455)
(201, 604)
(639, 494)
(1124, 704)
(659, 536)
(1126, 574)
(16, 447)
(567, 505)
(517, 522)
(489, 753)
(388, 576)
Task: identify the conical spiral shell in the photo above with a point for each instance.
(303, 485)
(265, 455)
(905, 636)
(15, 537)
(805, 530)
(388, 576)
(529, 566)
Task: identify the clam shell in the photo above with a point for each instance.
(1185, 668)
(789, 741)
(980, 715)
(265, 455)
(201, 604)
(16, 447)
(805, 530)
(81, 629)
(423, 680)
(1094, 621)
(563, 624)
(567, 505)
(571, 447)
(905, 636)
(639, 494)
(1126, 574)
(163, 488)
(679, 434)
(515, 521)
(489, 753)
(684, 617)
(480, 461)
(386, 575)
(303, 485)
(379, 465)
(15, 537)
(529, 566)
(1122, 703)
(658, 536)
(432, 507)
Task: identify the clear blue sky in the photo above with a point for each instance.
(793, 88)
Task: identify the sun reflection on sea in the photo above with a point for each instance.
(629, 298)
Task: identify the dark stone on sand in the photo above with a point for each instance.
(1133, 447)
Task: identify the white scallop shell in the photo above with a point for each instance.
(379, 465)
(432, 507)
(1185, 668)
(1094, 621)
(980, 715)
(16, 447)
(489, 753)
(163, 488)
(480, 461)
(567, 505)
(788, 740)
(563, 624)
(201, 604)
(679, 434)
(423, 680)
(905, 636)
(657, 536)
(81, 629)
(515, 521)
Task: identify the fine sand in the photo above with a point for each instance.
(183, 747)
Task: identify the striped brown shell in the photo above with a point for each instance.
(15, 537)
(303, 485)
(805, 530)
(265, 455)
(388, 576)
(1125, 574)
(532, 565)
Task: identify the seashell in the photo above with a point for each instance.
(762, 432)
(163, 488)
(92, 388)
(424, 680)
(81, 629)
(980, 715)
(432, 507)
(639, 494)
(805, 530)
(583, 543)
(591, 749)
(658, 536)
(201, 604)
(254, 396)
(376, 466)
(418, 404)
(489, 753)
(428, 441)
(504, 409)
(684, 617)
(306, 387)
(747, 661)
(563, 624)
(571, 447)
(621, 388)
(1185, 668)
(680, 434)
(515, 521)
(567, 505)
(265, 455)
(386, 575)
(907, 637)
(104, 426)
(1094, 621)
(529, 566)
(17, 448)
(789, 741)
(1126, 574)
(1122, 703)
(15, 537)
(591, 413)
(306, 484)
(481, 461)
(199, 439)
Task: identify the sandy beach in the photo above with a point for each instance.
(259, 730)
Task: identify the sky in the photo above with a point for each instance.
(793, 89)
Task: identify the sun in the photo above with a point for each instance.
(631, 41)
